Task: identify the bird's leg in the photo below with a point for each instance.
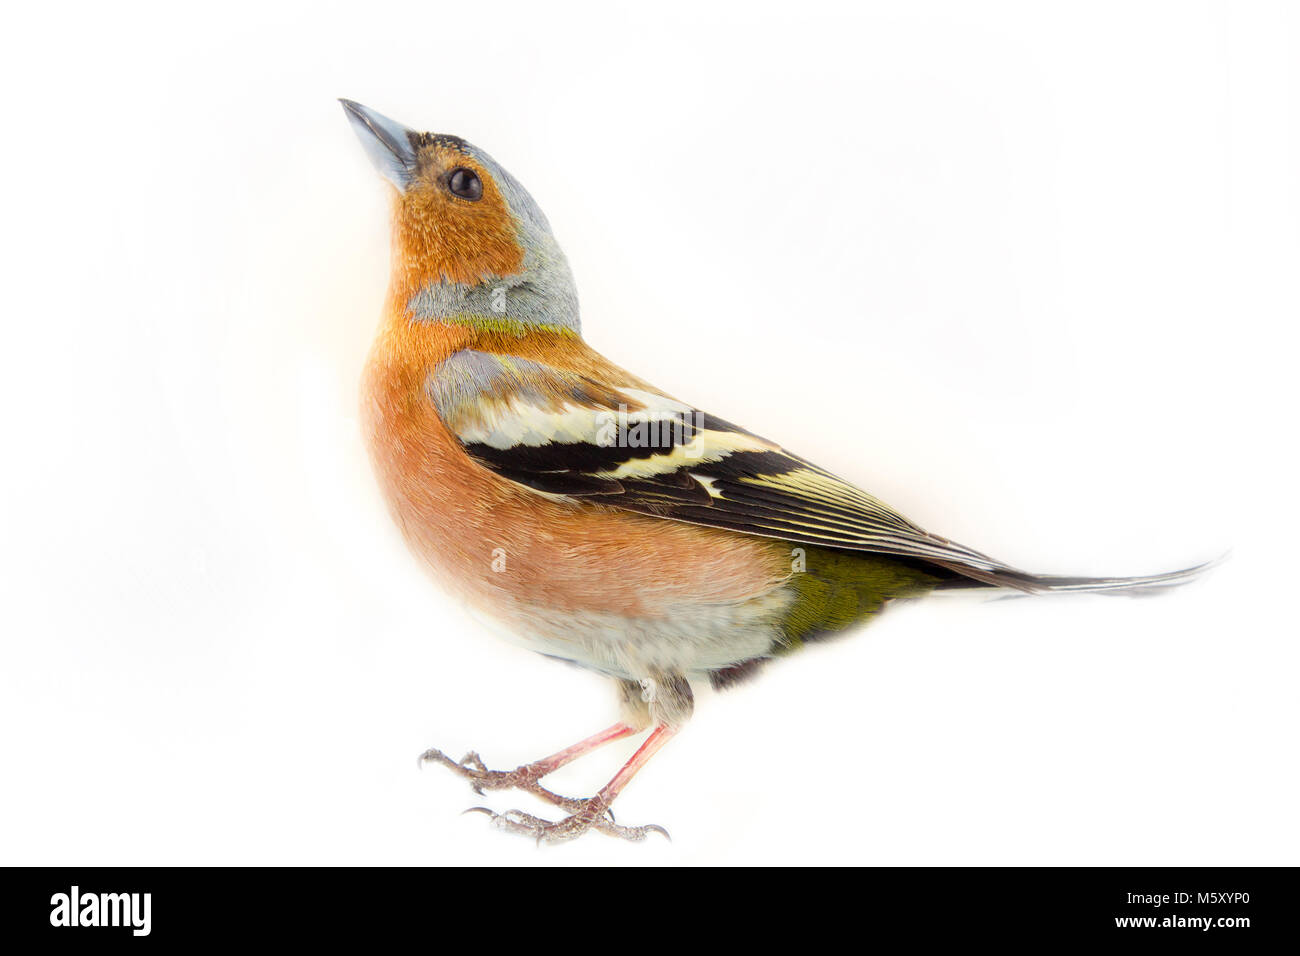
(526, 776)
(590, 814)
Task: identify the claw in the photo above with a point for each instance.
(569, 828)
(584, 815)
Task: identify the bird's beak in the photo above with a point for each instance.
(387, 143)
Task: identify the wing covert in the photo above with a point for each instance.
(559, 432)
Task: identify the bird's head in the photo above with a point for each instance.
(470, 246)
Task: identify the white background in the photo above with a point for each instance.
(1026, 271)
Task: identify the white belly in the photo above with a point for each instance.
(689, 640)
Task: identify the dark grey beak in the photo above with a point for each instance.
(387, 142)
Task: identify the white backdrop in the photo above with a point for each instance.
(1026, 271)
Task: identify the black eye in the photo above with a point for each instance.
(465, 183)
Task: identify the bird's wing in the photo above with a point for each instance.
(563, 433)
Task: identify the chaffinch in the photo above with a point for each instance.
(603, 521)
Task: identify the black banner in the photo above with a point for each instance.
(1232, 907)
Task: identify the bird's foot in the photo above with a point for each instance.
(590, 814)
(526, 778)
(471, 767)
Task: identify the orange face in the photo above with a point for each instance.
(452, 223)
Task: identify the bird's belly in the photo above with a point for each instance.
(687, 639)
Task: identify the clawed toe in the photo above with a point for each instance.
(472, 768)
(481, 779)
(593, 813)
(590, 814)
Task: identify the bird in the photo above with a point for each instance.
(599, 519)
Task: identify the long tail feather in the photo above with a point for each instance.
(1142, 582)
(1047, 583)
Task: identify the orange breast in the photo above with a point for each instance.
(503, 547)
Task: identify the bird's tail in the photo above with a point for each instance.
(1051, 584)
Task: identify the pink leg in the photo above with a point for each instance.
(569, 754)
(658, 737)
(591, 814)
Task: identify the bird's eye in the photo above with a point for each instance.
(465, 183)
